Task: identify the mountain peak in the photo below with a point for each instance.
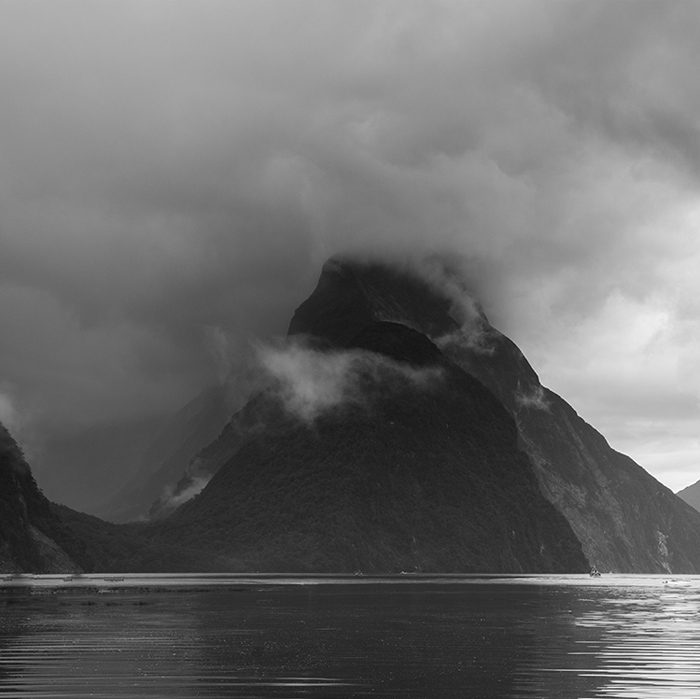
(353, 294)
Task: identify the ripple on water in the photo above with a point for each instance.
(504, 641)
(649, 646)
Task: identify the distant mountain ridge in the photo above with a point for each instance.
(183, 436)
(691, 495)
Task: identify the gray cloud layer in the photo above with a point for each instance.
(174, 172)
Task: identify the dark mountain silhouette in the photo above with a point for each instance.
(420, 474)
(625, 519)
(425, 474)
(32, 537)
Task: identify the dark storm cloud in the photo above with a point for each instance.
(173, 175)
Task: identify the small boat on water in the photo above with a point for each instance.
(595, 573)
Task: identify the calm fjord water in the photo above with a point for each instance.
(411, 636)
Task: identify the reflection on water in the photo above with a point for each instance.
(650, 645)
(558, 637)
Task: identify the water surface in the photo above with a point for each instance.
(336, 637)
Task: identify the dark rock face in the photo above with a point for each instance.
(625, 519)
(397, 342)
(351, 296)
(32, 538)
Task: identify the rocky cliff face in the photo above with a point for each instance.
(625, 519)
(30, 534)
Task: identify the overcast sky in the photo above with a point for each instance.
(173, 174)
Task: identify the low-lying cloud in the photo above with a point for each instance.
(175, 495)
(534, 398)
(310, 382)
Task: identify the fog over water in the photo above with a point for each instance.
(174, 173)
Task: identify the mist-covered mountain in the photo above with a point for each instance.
(422, 472)
(625, 519)
(397, 430)
(362, 313)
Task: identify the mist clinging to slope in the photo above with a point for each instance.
(310, 382)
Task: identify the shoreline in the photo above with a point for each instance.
(147, 583)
